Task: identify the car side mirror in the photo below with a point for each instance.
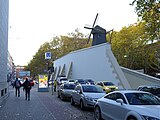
(119, 101)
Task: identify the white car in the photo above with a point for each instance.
(71, 81)
(86, 95)
(128, 105)
(61, 80)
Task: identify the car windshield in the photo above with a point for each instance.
(108, 83)
(89, 80)
(81, 81)
(155, 91)
(92, 89)
(71, 80)
(69, 86)
(142, 99)
(63, 79)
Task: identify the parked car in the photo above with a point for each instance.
(107, 86)
(65, 91)
(71, 81)
(86, 95)
(128, 105)
(62, 80)
(154, 89)
(90, 81)
(80, 81)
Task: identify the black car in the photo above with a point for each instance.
(90, 81)
(154, 89)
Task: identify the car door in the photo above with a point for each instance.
(113, 110)
(61, 89)
(106, 106)
(76, 94)
(79, 94)
(120, 110)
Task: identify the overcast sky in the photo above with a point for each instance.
(33, 22)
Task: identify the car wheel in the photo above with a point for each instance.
(97, 113)
(132, 118)
(58, 95)
(72, 101)
(61, 97)
(82, 105)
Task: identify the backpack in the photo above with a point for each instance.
(28, 85)
(17, 84)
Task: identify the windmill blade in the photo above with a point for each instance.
(95, 20)
(89, 37)
(87, 27)
(110, 35)
(92, 28)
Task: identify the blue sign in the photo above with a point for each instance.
(48, 55)
(24, 73)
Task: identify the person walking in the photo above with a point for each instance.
(17, 85)
(55, 85)
(27, 87)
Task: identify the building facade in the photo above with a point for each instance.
(4, 12)
(11, 73)
(19, 69)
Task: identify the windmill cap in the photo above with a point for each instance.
(98, 30)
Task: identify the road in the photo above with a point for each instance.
(43, 106)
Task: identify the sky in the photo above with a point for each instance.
(34, 22)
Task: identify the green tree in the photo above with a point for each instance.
(149, 11)
(132, 49)
(38, 64)
(128, 45)
(58, 46)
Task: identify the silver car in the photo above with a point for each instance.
(65, 91)
(86, 95)
(128, 105)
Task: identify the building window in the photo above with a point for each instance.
(5, 90)
(2, 92)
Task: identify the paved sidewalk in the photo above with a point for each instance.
(42, 106)
(17, 108)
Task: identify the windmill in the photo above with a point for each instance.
(99, 33)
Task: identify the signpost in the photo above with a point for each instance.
(48, 57)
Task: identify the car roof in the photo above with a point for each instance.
(87, 85)
(68, 83)
(128, 91)
(105, 81)
(157, 86)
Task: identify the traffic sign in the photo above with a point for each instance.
(48, 55)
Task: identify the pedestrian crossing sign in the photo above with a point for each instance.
(48, 55)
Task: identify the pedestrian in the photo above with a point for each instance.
(17, 85)
(27, 87)
(55, 85)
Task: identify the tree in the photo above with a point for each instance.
(149, 11)
(128, 45)
(58, 46)
(38, 64)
